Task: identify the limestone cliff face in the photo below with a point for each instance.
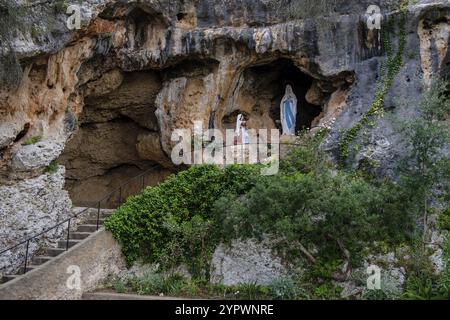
(104, 99)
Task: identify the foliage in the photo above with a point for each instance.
(443, 283)
(327, 291)
(186, 244)
(32, 140)
(171, 221)
(307, 156)
(175, 285)
(332, 214)
(419, 287)
(118, 285)
(390, 289)
(332, 211)
(286, 288)
(52, 167)
(444, 219)
(422, 283)
(425, 166)
(60, 6)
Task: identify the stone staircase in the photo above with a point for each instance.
(84, 229)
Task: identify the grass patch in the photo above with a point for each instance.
(156, 284)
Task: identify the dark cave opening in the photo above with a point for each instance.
(284, 72)
(117, 138)
(262, 91)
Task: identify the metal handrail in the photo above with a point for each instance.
(68, 220)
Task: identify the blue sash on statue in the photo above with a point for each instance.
(288, 114)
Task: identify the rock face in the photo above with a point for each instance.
(105, 99)
(247, 261)
(28, 208)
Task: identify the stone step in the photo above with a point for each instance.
(87, 228)
(9, 277)
(53, 252)
(31, 267)
(63, 243)
(41, 260)
(93, 212)
(79, 235)
(107, 213)
(94, 222)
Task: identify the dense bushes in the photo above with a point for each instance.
(333, 212)
(169, 223)
(310, 205)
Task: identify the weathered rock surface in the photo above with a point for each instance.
(246, 261)
(27, 208)
(35, 156)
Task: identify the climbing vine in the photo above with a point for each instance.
(389, 70)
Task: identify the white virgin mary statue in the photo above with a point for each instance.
(289, 111)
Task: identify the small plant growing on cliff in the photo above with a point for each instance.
(52, 167)
(32, 140)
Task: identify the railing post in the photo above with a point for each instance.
(68, 234)
(143, 183)
(120, 196)
(98, 215)
(26, 257)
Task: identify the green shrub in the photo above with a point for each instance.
(169, 223)
(443, 283)
(52, 167)
(419, 287)
(119, 286)
(330, 211)
(444, 220)
(306, 156)
(61, 6)
(286, 288)
(149, 284)
(328, 291)
(390, 289)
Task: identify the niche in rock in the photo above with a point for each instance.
(261, 92)
(144, 28)
(117, 138)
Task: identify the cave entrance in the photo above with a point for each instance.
(284, 72)
(117, 139)
(263, 90)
